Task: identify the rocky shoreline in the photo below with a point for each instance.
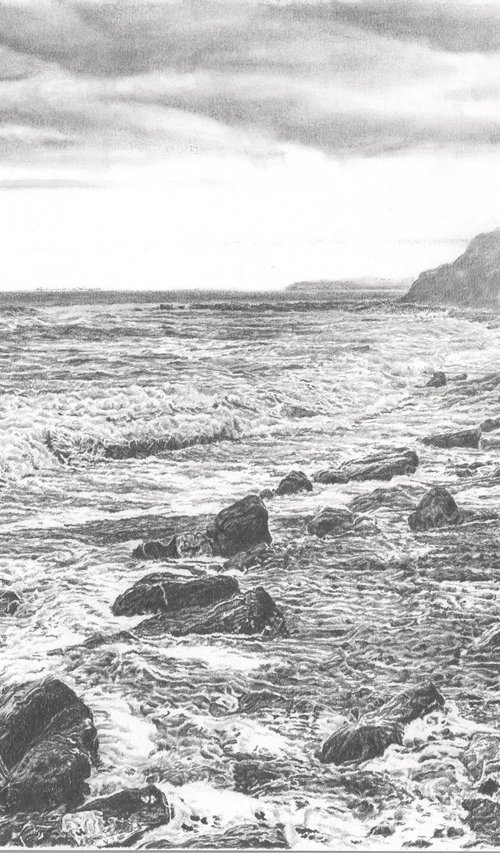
(48, 736)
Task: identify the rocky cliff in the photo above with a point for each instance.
(473, 280)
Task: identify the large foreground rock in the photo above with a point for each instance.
(119, 819)
(377, 731)
(462, 438)
(240, 527)
(379, 466)
(436, 509)
(48, 744)
(250, 613)
(158, 593)
(472, 280)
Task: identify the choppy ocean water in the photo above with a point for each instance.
(118, 419)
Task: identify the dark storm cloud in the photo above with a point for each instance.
(345, 77)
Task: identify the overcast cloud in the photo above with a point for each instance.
(87, 79)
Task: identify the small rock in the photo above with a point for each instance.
(241, 526)
(437, 380)
(490, 424)
(294, 482)
(436, 509)
(9, 602)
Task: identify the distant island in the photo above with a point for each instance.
(471, 281)
(325, 287)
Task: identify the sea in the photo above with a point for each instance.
(124, 417)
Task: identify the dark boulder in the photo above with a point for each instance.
(9, 602)
(436, 509)
(249, 613)
(437, 380)
(48, 744)
(379, 466)
(240, 527)
(127, 815)
(382, 728)
(484, 819)
(462, 438)
(294, 482)
(361, 743)
(331, 521)
(159, 593)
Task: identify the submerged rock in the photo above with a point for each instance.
(462, 438)
(237, 836)
(331, 521)
(382, 728)
(437, 380)
(250, 613)
(241, 526)
(154, 550)
(158, 593)
(378, 466)
(9, 602)
(294, 482)
(246, 560)
(396, 498)
(48, 744)
(436, 509)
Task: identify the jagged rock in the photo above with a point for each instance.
(482, 755)
(182, 545)
(9, 602)
(395, 498)
(159, 593)
(382, 728)
(241, 526)
(360, 744)
(490, 424)
(48, 744)
(436, 509)
(484, 819)
(462, 438)
(249, 613)
(472, 280)
(437, 380)
(295, 481)
(379, 466)
(267, 494)
(331, 521)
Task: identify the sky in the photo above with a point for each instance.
(244, 144)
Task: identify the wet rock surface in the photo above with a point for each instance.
(250, 613)
(48, 744)
(159, 592)
(241, 526)
(437, 380)
(379, 730)
(294, 482)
